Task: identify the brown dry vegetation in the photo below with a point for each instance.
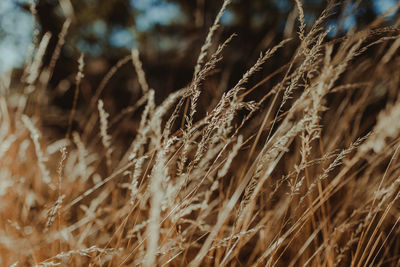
(305, 172)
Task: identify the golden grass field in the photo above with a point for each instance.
(302, 172)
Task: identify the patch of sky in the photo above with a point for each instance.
(283, 5)
(381, 6)
(227, 18)
(99, 28)
(333, 28)
(87, 48)
(309, 18)
(143, 5)
(349, 19)
(166, 43)
(15, 34)
(347, 22)
(155, 12)
(121, 37)
(313, 2)
(10, 58)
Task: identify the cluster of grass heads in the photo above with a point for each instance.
(304, 173)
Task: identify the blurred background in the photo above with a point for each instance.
(168, 34)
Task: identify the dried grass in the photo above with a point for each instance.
(308, 176)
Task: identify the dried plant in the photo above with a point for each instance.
(303, 174)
